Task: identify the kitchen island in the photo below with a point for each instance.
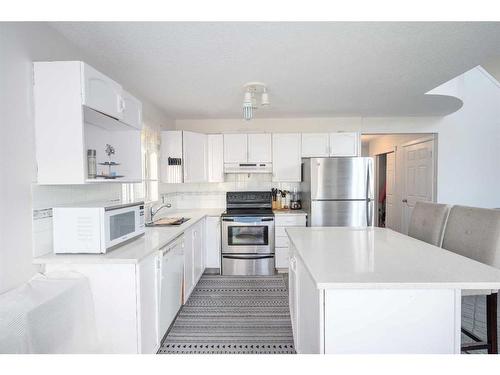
(373, 290)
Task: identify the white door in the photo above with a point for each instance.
(102, 93)
(390, 191)
(418, 182)
(235, 148)
(212, 242)
(315, 145)
(344, 144)
(195, 157)
(259, 148)
(148, 303)
(132, 111)
(286, 157)
(215, 157)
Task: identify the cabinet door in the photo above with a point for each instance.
(292, 295)
(215, 157)
(344, 144)
(102, 93)
(212, 242)
(147, 280)
(259, 148)
(286, 157)
(195, 157)
(132, 111)
(235, 148)
(198, 241)
(188, 263)
(315, 145)
(171, 147)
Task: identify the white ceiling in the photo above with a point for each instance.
(196, 70)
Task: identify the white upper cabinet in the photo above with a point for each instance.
(259, 148)
(344, 144)
(102, 93)
(235, 148)
(77, 109)
(195, 156)
(215, 157)
(286, 157)
(315, 145)
(132, 110)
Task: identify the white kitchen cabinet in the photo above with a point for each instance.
(76, 110)
(286, 157)
(199, 249)
(344, 144)
(315, 145)
(195, 156)
(212, 242)
(101, 92)
(132, 110)
(215, 157)
(260, 148)
(125, 298)
(171, 147)
(188, 264)
(147, 289)
(194, 264)
(235, 148)
(281, 241)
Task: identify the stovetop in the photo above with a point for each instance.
(248, 212)
(248, 203)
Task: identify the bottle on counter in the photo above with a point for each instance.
(91, 164)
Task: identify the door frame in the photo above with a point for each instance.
(429, 138)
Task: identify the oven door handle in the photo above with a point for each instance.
(227, 219)
(248, 257)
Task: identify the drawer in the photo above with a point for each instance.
(281, 241)
(282, 257)
(290, 220)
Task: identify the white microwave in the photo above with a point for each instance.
(96, 229)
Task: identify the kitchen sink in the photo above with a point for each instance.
(168, 222)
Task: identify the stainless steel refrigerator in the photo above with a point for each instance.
(338, 191)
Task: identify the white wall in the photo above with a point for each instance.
(469, 144)
(20, 45)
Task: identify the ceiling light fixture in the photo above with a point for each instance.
(252, 89)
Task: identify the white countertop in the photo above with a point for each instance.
(139, 248)
(289, 212)
(381, 258)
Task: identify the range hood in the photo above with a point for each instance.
(248, 167)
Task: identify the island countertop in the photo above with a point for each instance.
(378, 258)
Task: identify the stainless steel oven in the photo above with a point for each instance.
(248, 234)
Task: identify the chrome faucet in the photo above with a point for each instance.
(153, 212)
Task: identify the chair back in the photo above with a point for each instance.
(427, 222)
(474, 233)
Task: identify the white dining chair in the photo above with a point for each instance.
(475, 233)
(427, 222)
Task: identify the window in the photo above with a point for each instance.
(146, 190)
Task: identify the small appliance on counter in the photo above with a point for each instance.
(295, 203)
(96, 228)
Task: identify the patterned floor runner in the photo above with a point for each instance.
(233, 315)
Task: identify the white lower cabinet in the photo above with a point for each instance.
(281, 243)
(212, 242)
(194, 264)
(306, 311)
(125, 300)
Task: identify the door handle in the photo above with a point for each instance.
(405, 201)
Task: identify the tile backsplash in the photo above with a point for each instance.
(213, 195)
